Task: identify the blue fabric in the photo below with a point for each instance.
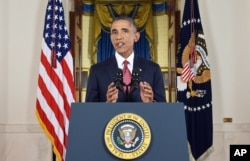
(159, 7)
(141, 47)
(105, 47)
(88, 7)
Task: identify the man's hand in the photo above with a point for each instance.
(146, 92)
(112, 93)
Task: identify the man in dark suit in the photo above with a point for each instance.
(101, 86)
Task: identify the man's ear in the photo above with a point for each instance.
(137, 36)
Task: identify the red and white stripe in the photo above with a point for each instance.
(187, 73)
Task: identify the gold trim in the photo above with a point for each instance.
(139, 149)
(228, 120)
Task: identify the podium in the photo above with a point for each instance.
(88, 124)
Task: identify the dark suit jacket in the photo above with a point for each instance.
(102, 74)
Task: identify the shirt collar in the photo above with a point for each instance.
(120, 61)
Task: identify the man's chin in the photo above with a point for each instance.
(121, 52)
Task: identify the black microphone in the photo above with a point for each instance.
(136, 78)
(118, 79)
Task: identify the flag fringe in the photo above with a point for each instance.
(49, 136)
(203, 157)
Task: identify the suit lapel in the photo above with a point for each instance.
(138, 64)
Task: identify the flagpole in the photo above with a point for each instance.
(53, 156)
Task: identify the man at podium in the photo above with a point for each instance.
(125, 77)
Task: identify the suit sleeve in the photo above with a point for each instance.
(92, 93)
(158, 86)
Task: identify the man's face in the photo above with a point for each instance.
(123, 35)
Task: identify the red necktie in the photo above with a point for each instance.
(126, 75)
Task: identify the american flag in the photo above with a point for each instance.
(194, 83)
(187, 73)
(55, 91)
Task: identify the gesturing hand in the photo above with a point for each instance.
(112, 93)
(146, 92)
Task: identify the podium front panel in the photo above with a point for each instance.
(88, 122)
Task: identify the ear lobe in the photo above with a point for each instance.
(137, 36)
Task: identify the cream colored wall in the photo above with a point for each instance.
(161, 39)
(86, 40)
(226, 25)
(21, 34)
(227, 37)
(86, 45)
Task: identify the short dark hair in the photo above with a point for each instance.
(127, 18)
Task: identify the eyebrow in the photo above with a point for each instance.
(113, 30)
(123, 29)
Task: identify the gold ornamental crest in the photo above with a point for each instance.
(127, 136)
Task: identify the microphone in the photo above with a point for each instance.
(118, 79)
(136, 78)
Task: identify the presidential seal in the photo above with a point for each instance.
(127, 136)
